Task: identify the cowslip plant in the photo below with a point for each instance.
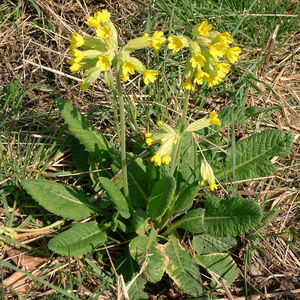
(161, 200)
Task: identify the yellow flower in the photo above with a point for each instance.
(148, 134)
(188, 85)
(103, 32)
(225, 38)
(232, 54)
(175, 43)
(199, 76)
(125, 78)
(103, 62)
(156, 159)
(149, 141)
(92, 21)
(77, 55)
(166, 159)
(76, 41)
(197, 60)
(75, 67)
(157, 40)
(128, 67)
(222, 69)
(213, 186)
(213, 118)
(204, 28)
(149, 75)
(103, 16)
(213, 80)
(175, 141)
(159, 123)
(208, 175)
(217, 50)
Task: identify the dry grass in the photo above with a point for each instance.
(35, 50)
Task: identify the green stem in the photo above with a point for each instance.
(116, 116)
(123, 138)
(7, 229)
(176, 156)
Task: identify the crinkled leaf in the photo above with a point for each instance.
(80, 239)
(142, 248)
(65, 201)
(182, 268)
(94, 142)
(221, 266)
(161, 197)
(188, 160)
(186, 198)
(192, 221)
(206, 243)
(116, 196)
(250, 157)
(137, 180)
(230, 217)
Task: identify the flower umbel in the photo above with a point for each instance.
(210, 55)
(101, 53)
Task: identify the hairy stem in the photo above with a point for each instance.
(122, 138)
(177, 149)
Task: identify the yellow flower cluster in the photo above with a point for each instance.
(207, 48)
(167, 137)
(101, 54)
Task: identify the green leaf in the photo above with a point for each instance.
(207, 244)
(137, 180)
(192, 221)
(188, 160)
(182, 268)
(142, 248)
(221, 266)
(65, 201)
(94, 142)
(232, 115)
(80, 239)
(250, 157)
(161, 197)
(186, 198)
(116, 196)
(230, 217)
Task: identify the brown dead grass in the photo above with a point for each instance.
(35, 50)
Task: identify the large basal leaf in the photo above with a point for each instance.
(192, 222)
(221, 266)
(161, 197)
(207, 244)
(65, 201)
(94, 142)
(80, 239)
(186, 198)
(230, 217)
(137, 180)
(116, 196)
(144, 247)
(250, 157)
(188, 160)
(182, 268)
